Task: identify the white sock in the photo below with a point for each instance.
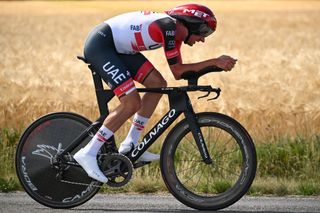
(137, 126)
(93, 147)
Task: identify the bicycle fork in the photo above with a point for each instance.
(181, 101)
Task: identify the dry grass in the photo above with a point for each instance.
(273, 91)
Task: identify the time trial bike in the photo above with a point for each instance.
(208, 159)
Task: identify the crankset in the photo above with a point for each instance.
(117, 168)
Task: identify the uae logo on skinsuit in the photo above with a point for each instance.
(114, 72)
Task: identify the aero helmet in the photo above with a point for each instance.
(198, 19)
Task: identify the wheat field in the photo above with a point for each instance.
(274, 90)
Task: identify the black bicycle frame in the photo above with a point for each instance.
(179, 103)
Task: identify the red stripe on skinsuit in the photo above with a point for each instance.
(124, 87)
(139, 40)
(143, 71)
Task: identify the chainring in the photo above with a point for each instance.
(117, 168)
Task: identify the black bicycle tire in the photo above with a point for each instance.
(177, 189)
(44, 201)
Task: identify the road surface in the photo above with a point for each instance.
(21, 202)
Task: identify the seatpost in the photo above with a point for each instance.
(103, 96)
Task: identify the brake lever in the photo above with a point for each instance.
(217, 91)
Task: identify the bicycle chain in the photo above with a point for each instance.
(81, 184)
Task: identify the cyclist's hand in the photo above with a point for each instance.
(225, 62)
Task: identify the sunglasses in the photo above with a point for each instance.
(202, 29)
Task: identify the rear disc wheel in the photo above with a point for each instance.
(36, 165)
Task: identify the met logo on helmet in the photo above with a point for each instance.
(197, 13)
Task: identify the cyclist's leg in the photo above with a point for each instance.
(129, 104)
(124, 88)
(144, 73)
(151, 100)
(101, 54)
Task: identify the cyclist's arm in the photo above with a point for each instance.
(166, 29)
(224, 62)
(179, 68)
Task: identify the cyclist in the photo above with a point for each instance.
(113, 49)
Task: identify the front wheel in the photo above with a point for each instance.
(218, 184)
(35, 155)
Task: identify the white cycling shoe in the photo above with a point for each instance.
(145, 157)
(90, 165)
